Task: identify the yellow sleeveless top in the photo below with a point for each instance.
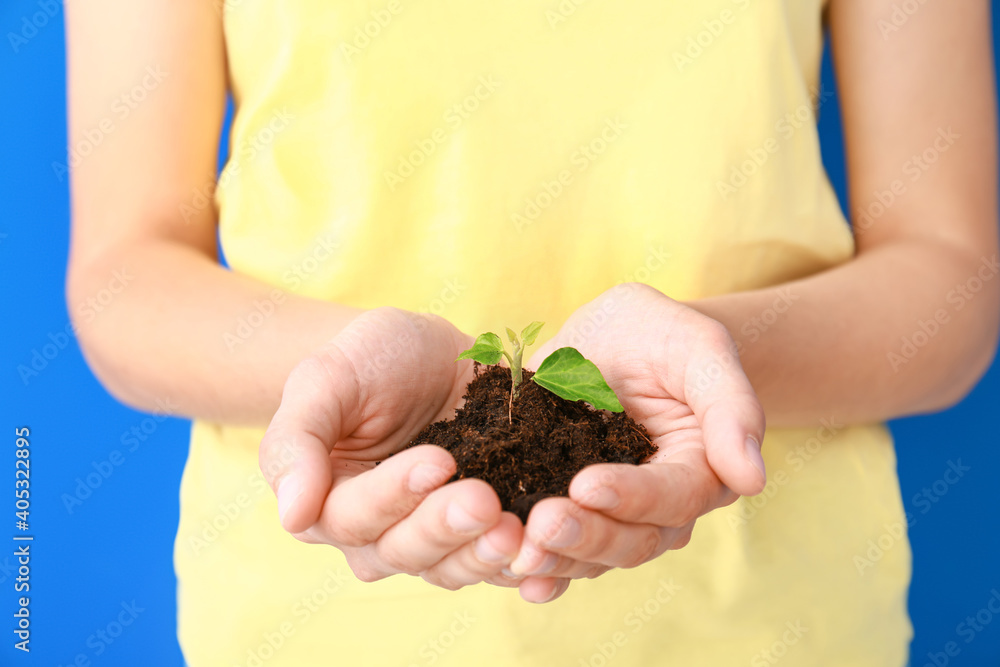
(501, 162)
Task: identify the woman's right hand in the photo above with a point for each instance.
(357, 401)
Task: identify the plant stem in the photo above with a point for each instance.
(515, 376)
(515, 368)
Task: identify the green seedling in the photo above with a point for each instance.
(565, 372)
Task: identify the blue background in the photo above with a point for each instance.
(116, 547)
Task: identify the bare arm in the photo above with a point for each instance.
(163, 336)
(929, 258)
(826, 353)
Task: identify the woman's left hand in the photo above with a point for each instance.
(677, 372)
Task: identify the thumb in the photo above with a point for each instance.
(294, 454)
(732, 423)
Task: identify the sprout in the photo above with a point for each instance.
(565, 372)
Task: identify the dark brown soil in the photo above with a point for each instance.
(536, 455)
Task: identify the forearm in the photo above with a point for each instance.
(849, 342)
(184, 332)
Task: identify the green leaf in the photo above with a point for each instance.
(486, 350)
(512, 336)
(567, 374)
(530, 332)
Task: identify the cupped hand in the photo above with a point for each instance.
(677, 372)
(356, 402)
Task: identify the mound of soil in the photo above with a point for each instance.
(534, 453)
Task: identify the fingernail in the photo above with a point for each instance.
(461, 521)
(753, 455)
(602, 498)
(555, 589)
(289, 491)
(425, 477)
(507, 572)
(487, 553)
(567, 534)
(549, 564)
(524, 564)
(524, 560)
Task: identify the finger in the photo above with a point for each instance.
(533, 559)
(671, 494)
(575, 569)
(448, 518)
(562, 527)
(480, 560)
(731, 417)
(540, 590)
(564, 567)
(504, 581)
(294, 454)
(363, 506)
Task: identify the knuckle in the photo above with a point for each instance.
(644, 550)
(682, 540)
(308, 372)
(718, 338)
(687, 512)
(306, 537)
(366, 573)
(631, 288)
(441, 581)
(727, 498)
(686, 507)
(395, 559)
(273, 457)
(346, 534)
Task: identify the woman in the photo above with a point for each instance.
(643, 176)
